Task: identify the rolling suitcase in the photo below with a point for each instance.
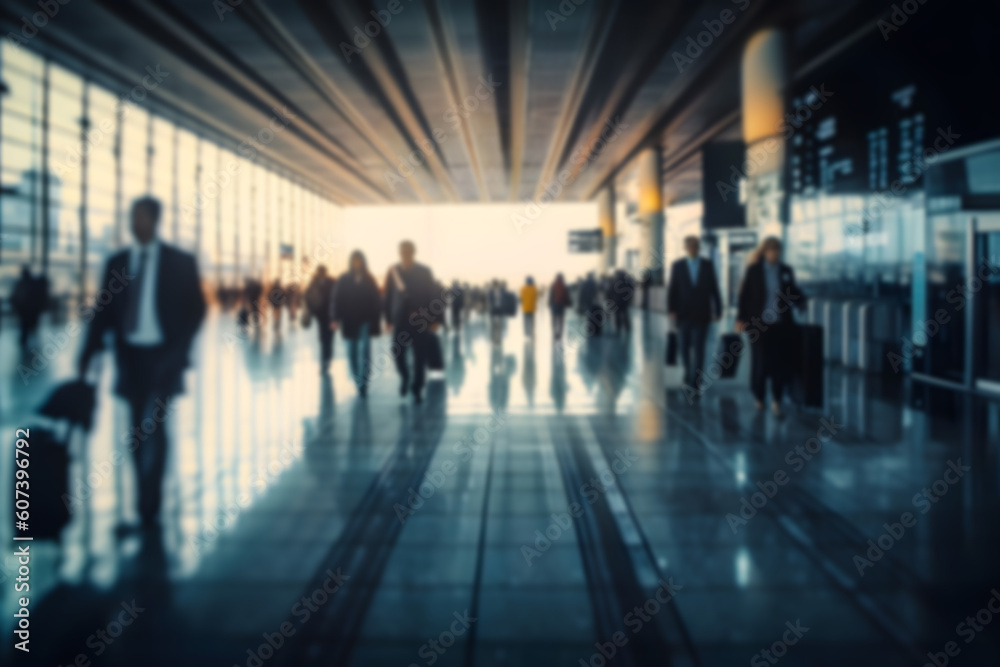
(671, 348)
(48, 456)
(807, 381)
(435, 358)
(728, 353)
(48, 476)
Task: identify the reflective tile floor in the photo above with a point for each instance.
(543, 506)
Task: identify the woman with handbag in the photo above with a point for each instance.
(767, 295)
(356, 310)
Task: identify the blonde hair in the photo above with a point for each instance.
(758, 252)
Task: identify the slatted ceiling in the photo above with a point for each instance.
(412, 33)
(458, 24)
(303, 93)
(358, 119)
(555, 55)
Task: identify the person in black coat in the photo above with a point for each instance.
(356, 309)
(29, 300)
(414, 308)
(457, 306)
(589, 305)
(151, 302)
(559, 301)
(622, 289)
(318, 296)
(767, 295)
(693, 303)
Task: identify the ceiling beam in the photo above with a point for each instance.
(598, 30)
(379, 62)
(270, 29)
(520, 63)
(445, 45)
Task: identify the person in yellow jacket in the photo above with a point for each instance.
(529, 302)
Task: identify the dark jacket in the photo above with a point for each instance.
(559, 297)
(319, 294)
(753, 297)
(180, 309)
(622, 289)
(458, 298)
(411, 308)
(696, 303)
(588, 295)
(497, 299)
(355, 303)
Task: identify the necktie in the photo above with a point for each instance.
(135, 295)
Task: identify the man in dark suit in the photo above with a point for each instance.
(693, 302)
(414, 307)
(155, 308)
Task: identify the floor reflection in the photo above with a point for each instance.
(279, 473)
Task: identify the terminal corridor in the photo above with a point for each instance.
(531, 498)
(555, 333)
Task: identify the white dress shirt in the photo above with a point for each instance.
(147, 332)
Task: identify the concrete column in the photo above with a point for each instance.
(764, 79)
(651, 213)
(606, 219)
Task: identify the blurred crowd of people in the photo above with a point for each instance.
(155, 307)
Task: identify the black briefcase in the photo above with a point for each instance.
(728, 353)
(73, 401)
(671, 348)
(435, 357)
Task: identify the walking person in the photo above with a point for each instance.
(457, 305)
(529, 303)
(250, 313)
(319, 294)
(154, 316)
(622, 291)
(559, 301)
(693, 302)
(409, 291)
(277, 298)
(590, 306)
(29, 299)
(356, 309)
(496, 304)
(767, 295)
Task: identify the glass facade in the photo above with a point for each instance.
(73, 157)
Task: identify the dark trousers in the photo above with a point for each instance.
(418, 348)
(770, 358)
(529, 324)
(596, 317)
(148, 397)
(622, 321)
(325, 341)
(691, 337)
(359, 356)
(558, 320)
(29, 324)
(456, 318)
